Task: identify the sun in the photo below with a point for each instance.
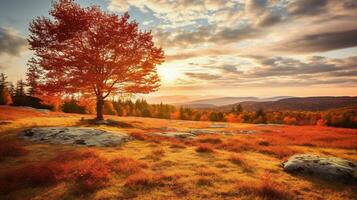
(168, 74)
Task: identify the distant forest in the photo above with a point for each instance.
(23, 94)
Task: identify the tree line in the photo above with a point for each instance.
(24, 93)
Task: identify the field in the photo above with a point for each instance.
(211, 166)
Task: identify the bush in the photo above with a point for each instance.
(126, 165)
(30, 101)
(11, 149)
(30, 175)
(138, 136)
(205, 148)
(86, 168)
(109, 108)
(73, 107)
(204, 181)
(240, 161)
(213, 139)
(177, 146)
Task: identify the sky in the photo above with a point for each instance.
(217, 48)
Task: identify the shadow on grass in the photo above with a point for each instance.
(108, 122)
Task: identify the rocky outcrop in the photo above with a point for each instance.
(75, 135)
(329, 168)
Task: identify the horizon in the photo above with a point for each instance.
(227, 47)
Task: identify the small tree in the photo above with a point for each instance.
(5, 95)
(93, 52)
(33, 76)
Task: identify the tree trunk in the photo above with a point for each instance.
(100, 108)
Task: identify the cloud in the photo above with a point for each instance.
(182, 55)
(284, 66)
(205, 34)
(319, 42)
(307, 7)
(202, 76)
(10, 42)
(255, 7)
(269, 19)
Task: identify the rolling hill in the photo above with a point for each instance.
(298, 104)
(216, 102)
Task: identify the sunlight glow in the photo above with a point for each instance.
(168, 74)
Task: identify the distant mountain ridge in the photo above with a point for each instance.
(221, 101)
(297, 104)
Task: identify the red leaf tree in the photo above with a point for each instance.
(88, 51)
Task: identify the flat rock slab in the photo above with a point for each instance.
(215, 125)
(205, 131)
(75, 135)
(330, 168)
(173, 134)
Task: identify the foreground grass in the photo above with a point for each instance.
(208, 167)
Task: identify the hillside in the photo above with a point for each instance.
(298, 104)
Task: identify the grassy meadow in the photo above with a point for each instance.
(211, 166)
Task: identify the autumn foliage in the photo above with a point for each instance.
(92, 52)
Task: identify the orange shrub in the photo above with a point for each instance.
(237, 145)
(158, 152)
(278, 151)
(30, 175)
(177, 146)
(138, 136)
(319, 136)
(205, 148)
(204, 181)
(11, 149)
(126, 165)
(213, 139)
(90, 174)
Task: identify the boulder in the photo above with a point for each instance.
(76, 136)
(330, 168)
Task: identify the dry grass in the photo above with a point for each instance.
(177, 146)
(266, 189)
(144, 180)
(206, 172)
(56, 171)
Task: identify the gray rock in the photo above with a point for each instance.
(75, 135)
(205, 131)
(181, 135)
(330, 168)
(215, 125)
(201, 131)
(247, 131)
(167, 129)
